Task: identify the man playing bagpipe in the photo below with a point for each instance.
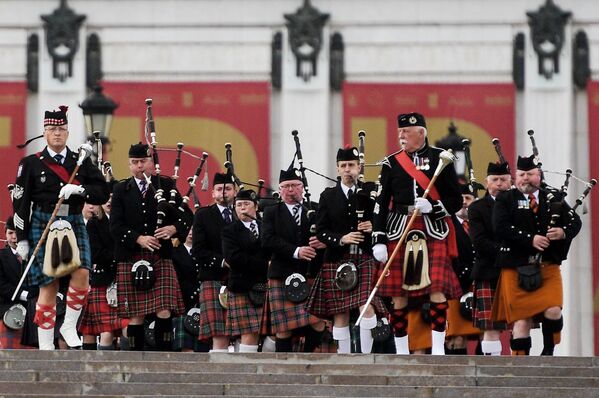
(248, 262)
(347, 275)
(423, 267)
(42, 179)
(208, 224)
(484, 272)
(535, 232)
(142, 226)
(286, 234)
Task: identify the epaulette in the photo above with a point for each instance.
(385, 161)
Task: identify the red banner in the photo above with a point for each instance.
(593, 99)
(13, 101)
(203, 116)
(479, 111)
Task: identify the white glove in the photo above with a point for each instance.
(71, 189)
(423, 205)
(379, 251)
(23, 249)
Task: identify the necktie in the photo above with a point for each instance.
(296, 214)
(227, 215)
(58, 157)
(534, 206)
(253, 230)
(350, 193)
(143, 188)
(466, 226)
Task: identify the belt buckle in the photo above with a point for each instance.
(63, 210)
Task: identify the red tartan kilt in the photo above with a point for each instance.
(484, 292)
(326, 299)
(443, 278)
(242, 316)
(212, 314)
(164, 295)
(11, 339)
(98, 317)
(280, 315)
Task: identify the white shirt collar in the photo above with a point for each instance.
(14, 251)
(63, 153)
(248, 224)
(291, 206)
(188, 248)
(346, 189)
(460, 219)
(221, 208)
(535, 193)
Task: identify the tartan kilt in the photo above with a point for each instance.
(35, 276)
(443, 278)
(98, 317)
(484, 291)
(513, 303)
(212, 315)
(326, 299)
(242, 316)
(164, 295)
(182, 339)
(419, 332)
(280, 315)
(10, 339)
(457, 325)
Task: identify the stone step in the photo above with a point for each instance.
(254, 390)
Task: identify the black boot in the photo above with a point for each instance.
(284, 345)
(137, 336)
(163, 330)
(313, 339)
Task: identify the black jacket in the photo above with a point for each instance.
(336, 217)
(480, 215)
(462, 264)
(187, 269)
(398, 189)
(245, 255)
(102, 247)
(207, 248)
(37, 184)
(133, 215)
(281, 236)
(515, 226)
(10, 274)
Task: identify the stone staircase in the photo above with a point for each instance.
(105, 373)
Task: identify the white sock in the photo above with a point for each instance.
(366, 340)
(343, 339)
(491, 347)
(219, 350)
(402, 345)
(248, 348)
(68, 330)
(269, 345)
(45, 339)
(438, 343)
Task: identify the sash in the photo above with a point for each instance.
(57, 169)
(422, 179)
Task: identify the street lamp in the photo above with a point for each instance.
(97, 111)
(453, 141)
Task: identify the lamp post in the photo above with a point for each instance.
(453, 141)
(97, 111)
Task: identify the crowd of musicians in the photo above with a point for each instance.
(128, 265)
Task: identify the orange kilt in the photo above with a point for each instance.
(419, 332)
(513, 303)
(456, 324)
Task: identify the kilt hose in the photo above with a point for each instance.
(484, 292)
(164, 295)
(419, 332)
(11, 339)
(35, 276)
(213, 316)
(443, 278)
(513, 303)
(280, 315)
(242, 316)
(98, 317)
(457, 325)
(326, 299)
